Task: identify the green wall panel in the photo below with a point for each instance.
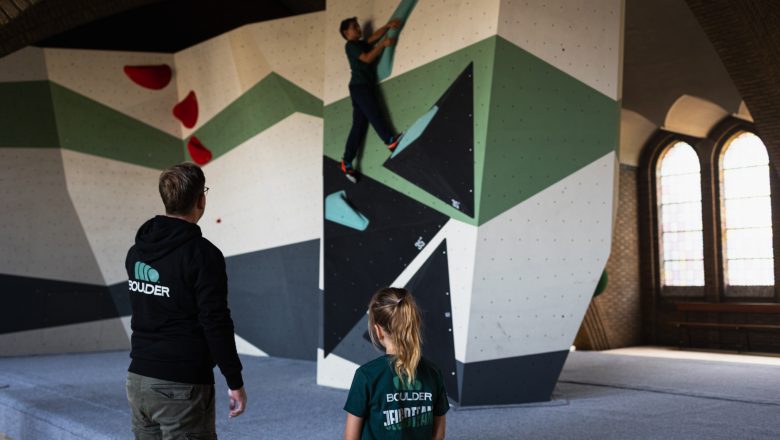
(45, 114)
(93, 128)
(26, 115)
(266, 103)
(407, 97)
(544, 125)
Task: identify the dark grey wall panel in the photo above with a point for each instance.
(275, 299)
(356, 345)
(431, 288)
(522, 379)
(33, 303)
(121, 298)
(357, 263)
(441, 160)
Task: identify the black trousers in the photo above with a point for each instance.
(365, 110)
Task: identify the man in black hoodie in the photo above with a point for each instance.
(181, 322)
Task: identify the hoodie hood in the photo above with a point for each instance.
(161, 235)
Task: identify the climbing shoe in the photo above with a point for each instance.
(394, 141)
(349, 172)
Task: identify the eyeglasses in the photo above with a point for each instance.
(205, 190)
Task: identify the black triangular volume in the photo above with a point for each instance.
(431, 289)
(358, 263)
(441, 159)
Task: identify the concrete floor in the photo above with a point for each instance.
(599, 396)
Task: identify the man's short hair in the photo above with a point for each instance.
(345, 25)
(180, 186)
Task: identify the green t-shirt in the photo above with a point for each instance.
(392, 410)
(362, 73)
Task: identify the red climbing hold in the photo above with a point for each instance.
(187, 110)
(152, 77)
(199, 153)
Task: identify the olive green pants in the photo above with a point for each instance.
(164, 410)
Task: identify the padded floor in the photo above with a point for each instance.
(600, 396)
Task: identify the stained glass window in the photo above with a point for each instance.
(747, 212)
(680, 223)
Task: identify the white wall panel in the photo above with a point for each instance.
(267, 192)
(99, 75)
(334, 371)
(434, 29)
(112, 199)
(538, 264)
(293, 47)
(580, 37)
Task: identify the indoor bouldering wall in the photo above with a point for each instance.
(496, 207)
(85, 136)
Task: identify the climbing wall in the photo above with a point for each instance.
(261, 117)
(511, 113)
(85, 142)
(52, 282)
(495, 209)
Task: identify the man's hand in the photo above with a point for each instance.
(387, 42)
(394, 23)
(237, 401)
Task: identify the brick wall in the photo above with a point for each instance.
(616, 312)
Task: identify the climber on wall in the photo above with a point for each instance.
(362, 55)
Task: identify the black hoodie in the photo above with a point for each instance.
(178, 292)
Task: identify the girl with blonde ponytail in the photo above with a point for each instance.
(400, 395)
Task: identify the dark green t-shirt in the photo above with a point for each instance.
(392, 410)
(362, 73)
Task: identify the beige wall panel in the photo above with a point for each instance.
(223, 68)
(102, 335)
(267, 192)
(99, 75)
(579, 37)
(292, 47)
(434, 29)
(26, 64)
(41, 235)
(112, 200)
(209, 70)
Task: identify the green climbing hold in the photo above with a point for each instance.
(602, 285)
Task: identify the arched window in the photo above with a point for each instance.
(678, 177)
(746, 212)
(708, 209)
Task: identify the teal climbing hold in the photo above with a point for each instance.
(415, 130)
(385, 65)
(339, 210)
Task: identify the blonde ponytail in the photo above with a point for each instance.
(396, 312)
